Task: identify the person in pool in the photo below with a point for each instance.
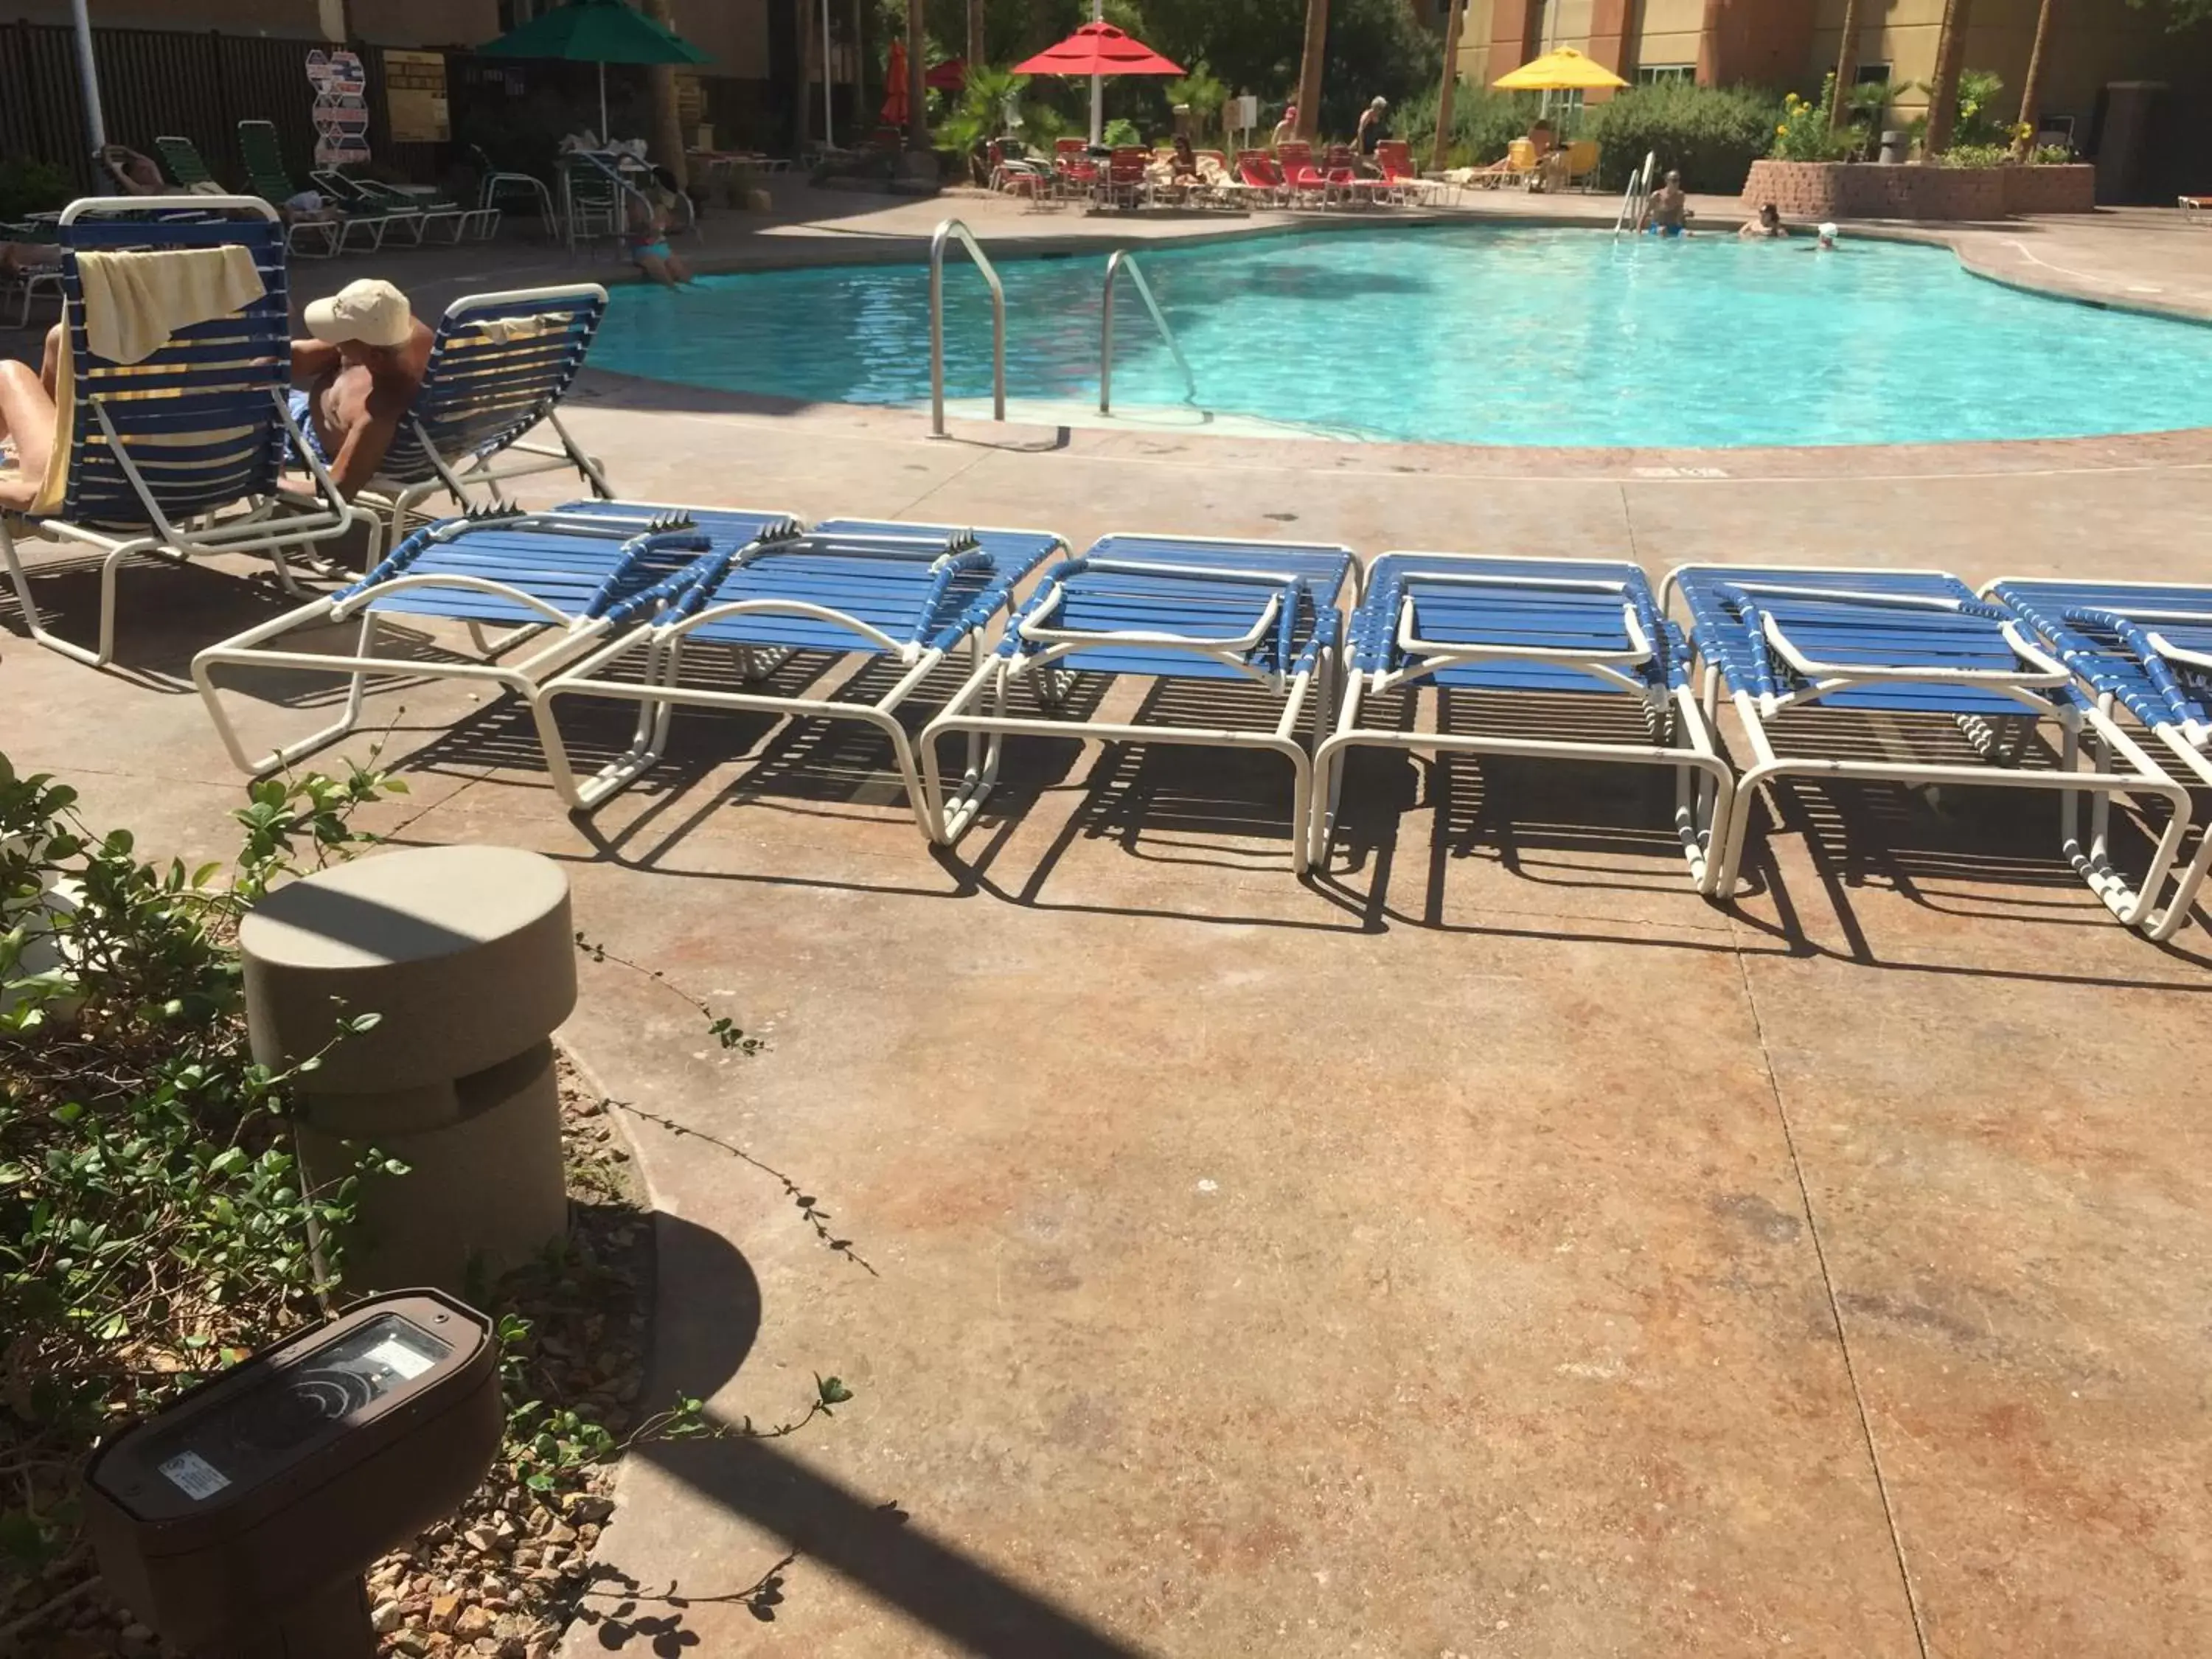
(647, 239)
(1768, 224)
(1666, 213)
(1825, 243)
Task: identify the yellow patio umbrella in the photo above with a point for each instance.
(1564, 69)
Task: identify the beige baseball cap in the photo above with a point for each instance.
(371, 311)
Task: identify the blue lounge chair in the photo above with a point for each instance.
(1168, 608)
(2144, 648)
(1913, 646)
(910, 593)
(574, 575)
(1530, 629)
(500, 365)
(180, 452)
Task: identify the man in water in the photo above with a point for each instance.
(1827, 244)
(360, 373)
(1665, 214)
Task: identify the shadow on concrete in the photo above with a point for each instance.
(707, 1317)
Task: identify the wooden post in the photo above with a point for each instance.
(667, 125)
(974, 34)
(1454, 11)
(1309, 68)
(917, 94)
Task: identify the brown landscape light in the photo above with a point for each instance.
(240, 1520)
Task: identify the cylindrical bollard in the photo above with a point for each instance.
(467, 955)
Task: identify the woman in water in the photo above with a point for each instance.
(1768, 224)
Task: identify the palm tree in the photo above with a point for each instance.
(1452, 13)
(2031, 90)
(974, 34)
(1309, 67)
(1943, 87)
(1847, 68)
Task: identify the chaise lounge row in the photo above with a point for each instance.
(624, 600)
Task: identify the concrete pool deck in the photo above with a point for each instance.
(1489, 1249)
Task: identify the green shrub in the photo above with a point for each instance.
(1120, 134)
(152, 1224)
(1483, 122)
(1980, 121)
(1710, 134)
(28, 186)
(1976, 155)
(1803, 133)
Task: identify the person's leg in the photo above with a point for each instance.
(656, 268)
(50, 363)
(677, 269)
(26, 418)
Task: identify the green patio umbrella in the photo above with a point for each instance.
(601, 32)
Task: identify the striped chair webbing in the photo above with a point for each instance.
(481, 392)
(197, 418)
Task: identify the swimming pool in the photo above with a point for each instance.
(1469, 334)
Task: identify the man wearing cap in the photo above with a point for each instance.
(360, 373)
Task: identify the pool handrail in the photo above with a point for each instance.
(1639, 189)
(1119, 260)
(945, 231)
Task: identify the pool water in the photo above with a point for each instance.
(1468, 334)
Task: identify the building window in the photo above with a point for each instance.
(1870, 73)
(1659, 75)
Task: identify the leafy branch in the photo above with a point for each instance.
(724, 1030)
(809, 1210)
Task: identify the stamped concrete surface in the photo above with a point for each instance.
(1488, 1249)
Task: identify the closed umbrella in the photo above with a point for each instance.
(896, 110)
(601, 32)
(1098, 50)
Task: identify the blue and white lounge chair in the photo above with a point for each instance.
(910, 593)
(500, 365)
(2144, 648)
(573, 575)
(1169, 608)
(1908, 646)
(182, 450)
(1530, 629)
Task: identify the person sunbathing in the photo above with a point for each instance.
(27, 423)
(356, 377)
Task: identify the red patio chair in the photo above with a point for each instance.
(1015, 175)
(1395, 158)
(1260, 172)
(1074, 173)
(1128, 177)
(1305, 180)
(1341, 169)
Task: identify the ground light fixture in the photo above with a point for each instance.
(238, 1521)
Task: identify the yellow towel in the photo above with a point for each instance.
(133, 302)
(500, 330)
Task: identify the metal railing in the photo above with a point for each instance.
(945, 232)
(1121, 261)
(1638, 191)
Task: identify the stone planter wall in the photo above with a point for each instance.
(2070, 189)
(1812, 191)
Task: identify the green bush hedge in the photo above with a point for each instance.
(1484, 123)
(1711, 134)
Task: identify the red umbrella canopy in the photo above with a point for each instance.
(948, 77)
(1098, 49)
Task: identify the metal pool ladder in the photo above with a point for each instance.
(1640, 190)
(1121, 261)
(945, 232)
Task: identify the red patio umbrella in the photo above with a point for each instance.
(949, 76)
(896, 110)
(1098, 50)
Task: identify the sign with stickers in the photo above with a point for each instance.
(341, 113)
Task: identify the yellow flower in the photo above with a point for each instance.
(1781, 131)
